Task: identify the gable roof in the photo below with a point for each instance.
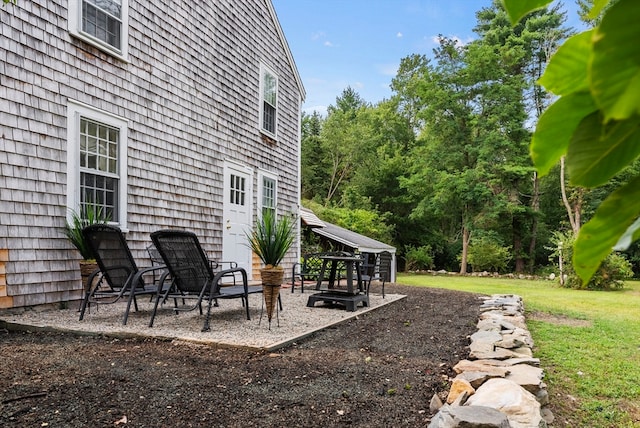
(283, 39)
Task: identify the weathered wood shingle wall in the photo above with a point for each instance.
(189, 92)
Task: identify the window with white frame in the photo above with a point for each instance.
(268, 101)
(267, 191)
(96, 163)
(103, 23)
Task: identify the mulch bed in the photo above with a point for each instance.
(379, 369)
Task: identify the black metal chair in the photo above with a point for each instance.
(193, 277)
(120, 276)
(385, 259)
(368, 268)
(307, 270)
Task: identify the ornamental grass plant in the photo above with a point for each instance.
(271, 238)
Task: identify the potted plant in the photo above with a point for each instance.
(270, 240)
(89, 214)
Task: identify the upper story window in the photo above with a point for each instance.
(103, 23)
(268, 101)
(96, 162)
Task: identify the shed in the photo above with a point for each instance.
(347, 239)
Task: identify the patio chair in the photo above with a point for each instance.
(120, 276)
(307, 270)
(193, 277)
(384, 268)
(368, 269)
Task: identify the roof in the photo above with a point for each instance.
(344, 236)
(309, 218)
(283, 38)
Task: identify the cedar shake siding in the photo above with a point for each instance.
(183, 93)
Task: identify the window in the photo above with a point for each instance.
(96, 162)
(268, 101)
(267, 194)
(237, 190)
(103, 23)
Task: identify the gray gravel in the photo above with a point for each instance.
(229, 325)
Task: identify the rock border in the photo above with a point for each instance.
(500, 384)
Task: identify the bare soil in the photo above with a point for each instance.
(380, 369)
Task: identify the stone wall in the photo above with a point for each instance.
(500, 384)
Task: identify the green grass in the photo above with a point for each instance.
(597, 363)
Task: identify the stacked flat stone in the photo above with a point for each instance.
(500, 385)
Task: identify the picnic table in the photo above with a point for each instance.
(354, 293)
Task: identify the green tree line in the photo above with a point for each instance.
(444, 163)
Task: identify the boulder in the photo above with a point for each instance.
(510, 362)
(458, 387)
(478, 366)
(479, 417)
(528, 377)
(435, 404)
(476, 378)
(469, 417)
(520, 406)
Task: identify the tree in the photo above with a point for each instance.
(341, 136)
(595, 122)
(313, 159)
(527, 49)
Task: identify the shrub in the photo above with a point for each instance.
(485, 253)
(615, 268)
(420, 258)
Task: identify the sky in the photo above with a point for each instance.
(359, 43)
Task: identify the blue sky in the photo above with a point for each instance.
(359, 43)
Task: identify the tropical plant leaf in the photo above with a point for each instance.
(615, 68)
(598, 151)
(568, 68)
(598, 6)
(517, 9)
(612, 219)
(555, 128)
(632, 234)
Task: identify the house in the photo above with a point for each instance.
(167, 114)
(338, 238)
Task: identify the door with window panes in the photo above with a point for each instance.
(238, 195)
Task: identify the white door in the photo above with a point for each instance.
(238, 194)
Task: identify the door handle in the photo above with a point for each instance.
(228, 224)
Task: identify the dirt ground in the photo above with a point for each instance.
(380, 369)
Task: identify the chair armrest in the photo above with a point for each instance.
(215, 283)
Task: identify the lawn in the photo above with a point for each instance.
(588, 343)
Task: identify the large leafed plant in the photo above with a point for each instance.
(595, 122)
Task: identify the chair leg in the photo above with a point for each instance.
(132, 296)
(89, 292)
(245, 303)
(85, 302)
(207, 326)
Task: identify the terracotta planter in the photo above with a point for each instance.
(271, 281)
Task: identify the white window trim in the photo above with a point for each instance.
(263, 70)
(75, 29)
(75, 110)
(261, 175)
